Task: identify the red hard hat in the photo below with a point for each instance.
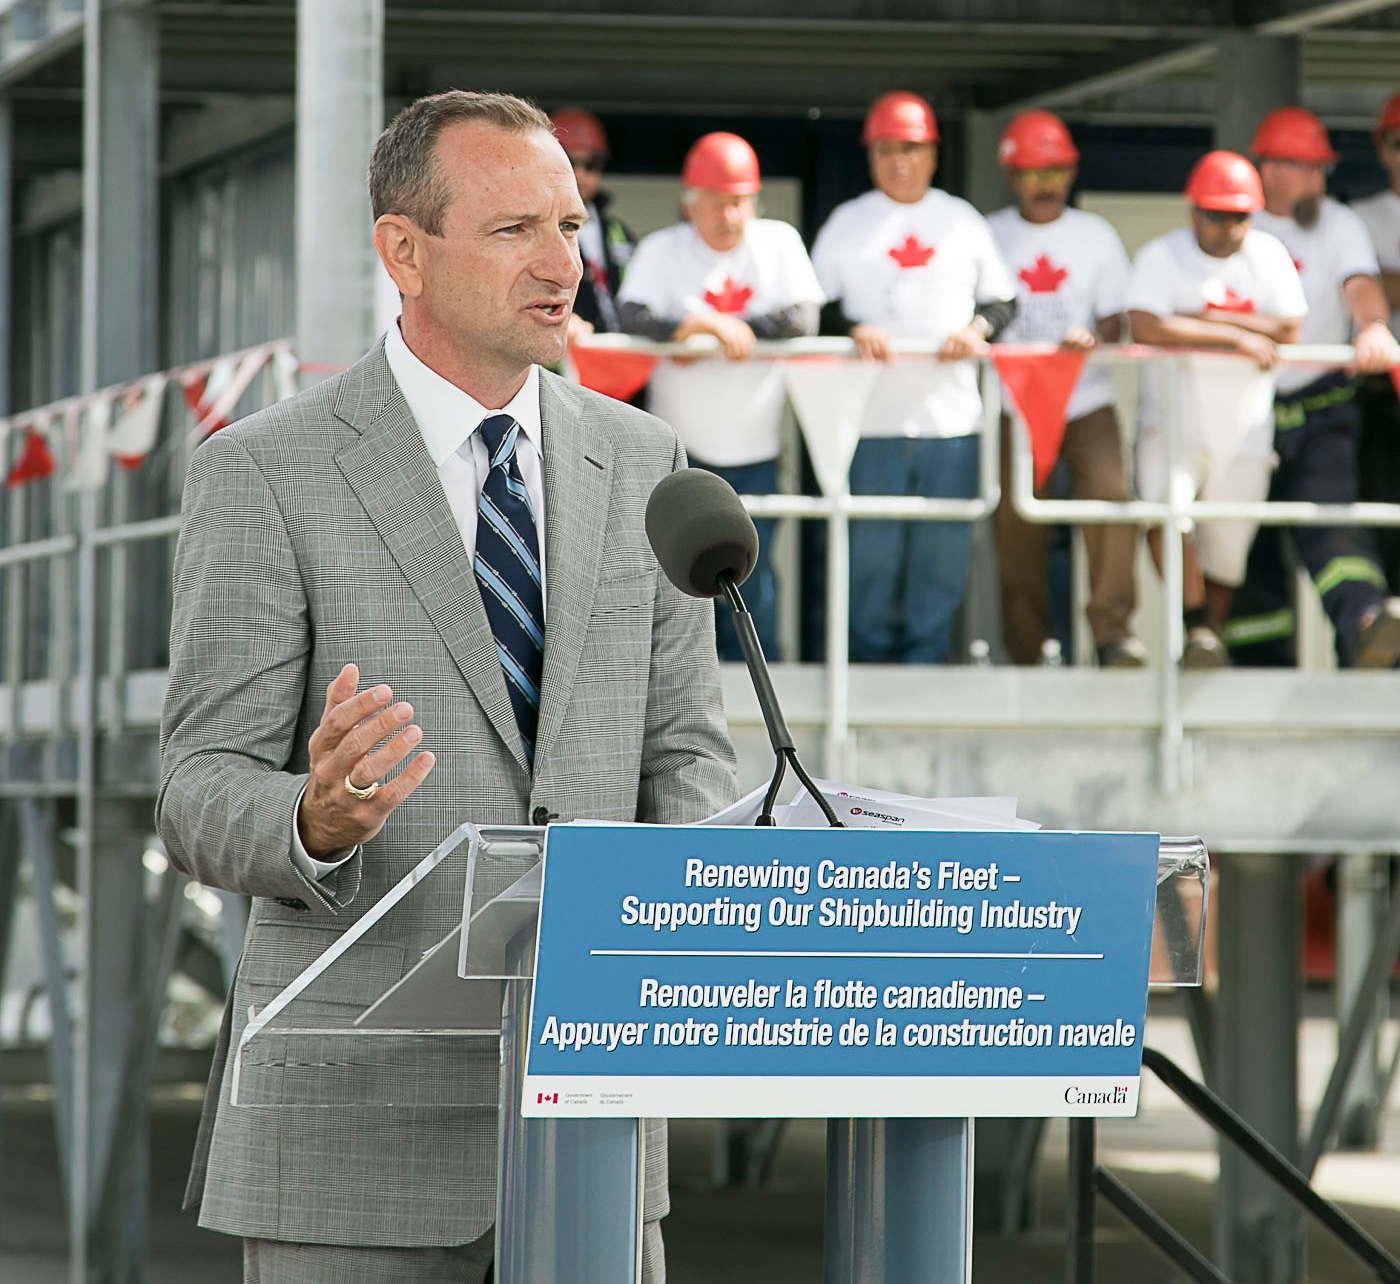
(1035, 140)
(579, 131)
(722, 163)
(1390, 116)
(1225, 181)
(904, 117)
(1292, 133)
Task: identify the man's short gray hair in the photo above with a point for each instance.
(404, 176)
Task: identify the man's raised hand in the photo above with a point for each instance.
(343, 753)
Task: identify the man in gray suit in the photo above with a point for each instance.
(338, 592)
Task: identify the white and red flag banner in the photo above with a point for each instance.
(612, 371)
(285, 368)
(35, 459)
(829, 397)
(131, 439)
(1040, 384)
(85, 428)
(1223, 399)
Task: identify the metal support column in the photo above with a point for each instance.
(340, 112)
(1259, 1231)
(36, 836)
(568, 1191)
(7, 294)
(898, 1201)
(1253, 75)
(983, 182)
(1363, 887)
(1079, 1202)
(107, 1181)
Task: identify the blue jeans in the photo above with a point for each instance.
(908, 578)
(760, 590)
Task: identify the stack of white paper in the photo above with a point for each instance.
(860, 807)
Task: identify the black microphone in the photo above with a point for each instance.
(706, 543)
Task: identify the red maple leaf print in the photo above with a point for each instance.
(1044, 277)
(912, 253)
(730, 297)
(1232, 303)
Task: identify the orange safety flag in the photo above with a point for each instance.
(1041, 384)
(612, 372)
(35, 461)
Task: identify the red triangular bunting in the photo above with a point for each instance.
(615, 374)
(193, 387)
(1041, 384)
(36, 461)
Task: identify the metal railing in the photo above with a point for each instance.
(76, 621)
(1087, 1178)
(838, 510)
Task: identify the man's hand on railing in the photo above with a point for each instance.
(736, 339)
(1078, 338)
(1258, 347)
(872, 342)
(961, 344)
(1376, 349)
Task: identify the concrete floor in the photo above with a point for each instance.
(773, 1236)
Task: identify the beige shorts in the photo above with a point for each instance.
(1221, 546)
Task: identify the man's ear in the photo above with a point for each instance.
(398, 241)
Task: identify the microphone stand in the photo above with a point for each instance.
(784, 747)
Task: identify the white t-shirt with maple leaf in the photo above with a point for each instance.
(1173, 276)
(1069, 272)
(1333, 249)
(725, 412)
(917, 270)
(1381, 215)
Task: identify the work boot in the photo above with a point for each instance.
(1377, 644)
(1204, 649)
(1126, 652)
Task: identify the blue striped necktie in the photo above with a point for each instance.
(508, 573)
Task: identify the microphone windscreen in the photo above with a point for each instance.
(699, 528)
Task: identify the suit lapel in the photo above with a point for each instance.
(393, 476)
(577, 485)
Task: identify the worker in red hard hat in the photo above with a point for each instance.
(1071, 274)
(1317, 422)
(1220, 283)
(1378, 455)
(726, 273)
(605, 241)
(908, 262)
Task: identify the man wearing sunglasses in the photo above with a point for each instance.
(1218, 284)
(606, 242)
(1378, 460)
(1317, 423)
(1071, 274)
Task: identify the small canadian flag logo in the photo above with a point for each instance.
(542, 1097)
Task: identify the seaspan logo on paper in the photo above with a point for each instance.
(877, 815)
(1115, 1096)
(542, 1097)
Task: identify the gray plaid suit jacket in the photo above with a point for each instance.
(317, 533)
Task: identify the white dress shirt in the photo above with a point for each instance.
(448, 418)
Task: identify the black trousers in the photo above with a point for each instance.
(1317, 430)
(1378, 463)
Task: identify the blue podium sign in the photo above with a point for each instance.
(709, 972)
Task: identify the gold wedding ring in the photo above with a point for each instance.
(361, 793)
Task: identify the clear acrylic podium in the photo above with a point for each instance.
(898, 1201)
